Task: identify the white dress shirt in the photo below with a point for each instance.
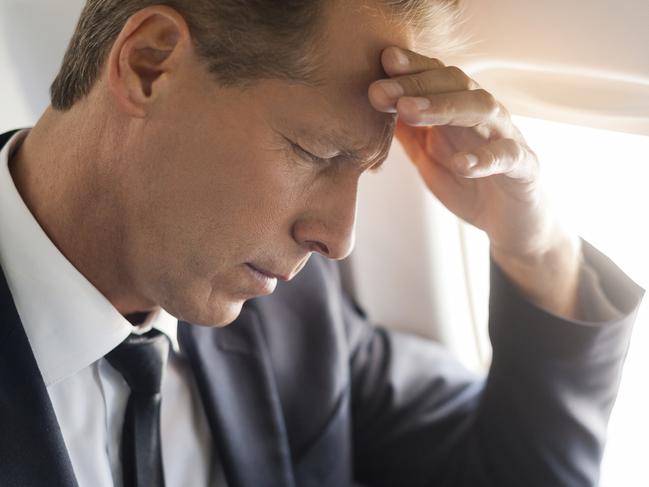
(70, 326)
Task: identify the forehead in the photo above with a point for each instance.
(354, 35)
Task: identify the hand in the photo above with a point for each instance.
(477, 163)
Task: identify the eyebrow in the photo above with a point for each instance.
(362, 153)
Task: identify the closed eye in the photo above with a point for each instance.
(312, 158)
(305, 154)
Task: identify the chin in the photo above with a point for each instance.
(218, 314)
(225, 315)
(221, 316)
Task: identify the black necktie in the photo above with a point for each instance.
(141, 360)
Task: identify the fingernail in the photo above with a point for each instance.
(421, 103)
(400, 58)
(471, 160)
(392, 88)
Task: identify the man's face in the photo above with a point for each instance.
(220, 180)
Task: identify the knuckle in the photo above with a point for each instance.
(491, 105)
(473, 85)
(418, 84)
(488, 156)
(515, 149)
(517, 154)
(460, 77)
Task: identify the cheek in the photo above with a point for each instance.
(221, 199)
(233, 208)
(257, 186)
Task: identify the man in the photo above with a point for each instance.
(194, 155)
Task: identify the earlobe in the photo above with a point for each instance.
(144, 56)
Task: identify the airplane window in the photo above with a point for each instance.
(599, 180)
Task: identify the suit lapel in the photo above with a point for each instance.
(232, 369)
(32, 451)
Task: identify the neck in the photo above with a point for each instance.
(65, 174)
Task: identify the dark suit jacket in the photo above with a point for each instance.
(301, 390)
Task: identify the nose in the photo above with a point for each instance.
(328, 225)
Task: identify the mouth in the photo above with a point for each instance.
(268, 274)
(260, 283)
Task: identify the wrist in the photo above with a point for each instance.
(549, 277)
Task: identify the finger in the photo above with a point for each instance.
(397, 61)
(461, 109)
(439, 178)
(504, 156)
(385, 93)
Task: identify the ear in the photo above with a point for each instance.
(145, 57)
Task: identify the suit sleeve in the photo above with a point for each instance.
(539, 417)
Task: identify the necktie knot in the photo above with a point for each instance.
(141, 360)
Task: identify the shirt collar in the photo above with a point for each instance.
(69, 323)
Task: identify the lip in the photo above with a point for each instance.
(279, 277)
(262, 283)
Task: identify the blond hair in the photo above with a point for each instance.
(239, 40)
